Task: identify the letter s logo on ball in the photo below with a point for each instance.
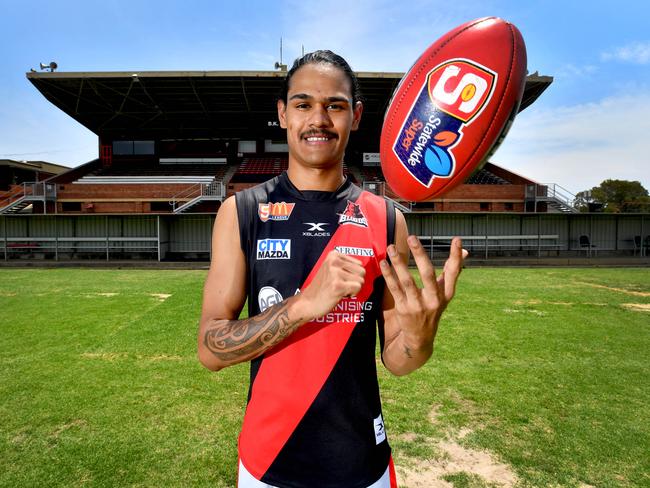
(461, 88)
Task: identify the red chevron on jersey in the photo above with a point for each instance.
(292, 374)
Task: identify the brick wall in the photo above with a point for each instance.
(119, 192)
(486, 192)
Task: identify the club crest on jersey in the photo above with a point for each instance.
(275, 211)
(273, 249)
(453, 95)
(353, 215)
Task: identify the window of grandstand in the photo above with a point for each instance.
(429, 206)
(276, 146)
(192, 147)
(160, 207)
(508, 206)
(127, 148)
(143, 147)
(486, 206)
(247, 147)
(71, 206)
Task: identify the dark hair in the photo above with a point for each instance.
(325, 57)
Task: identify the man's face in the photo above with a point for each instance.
(319, 115)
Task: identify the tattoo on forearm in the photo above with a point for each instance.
(237, 340)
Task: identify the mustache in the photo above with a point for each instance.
(318, 133)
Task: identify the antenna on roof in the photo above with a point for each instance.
(280, 66)
(52, 66)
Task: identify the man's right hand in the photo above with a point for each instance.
(223, 339)
(339, 276)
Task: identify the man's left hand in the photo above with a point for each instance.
(418, 310)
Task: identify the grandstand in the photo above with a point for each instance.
(173, 145)
(181, 137)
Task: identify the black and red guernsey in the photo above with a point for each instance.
(314, 415)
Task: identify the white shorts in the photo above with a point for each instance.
(246, 480)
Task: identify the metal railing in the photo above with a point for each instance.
(545, 192)
(32, 190)
(376, 187)
(553, 190)
(213, 191)
(379, 188)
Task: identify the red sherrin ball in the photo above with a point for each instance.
(453, 108)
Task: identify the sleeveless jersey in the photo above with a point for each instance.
(313, 417)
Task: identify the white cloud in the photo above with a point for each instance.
(573, 71)
(579, 146)
(372, 35)
(635, 52)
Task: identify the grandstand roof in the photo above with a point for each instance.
(226, 104)
(42, 166)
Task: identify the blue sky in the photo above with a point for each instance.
(593, 122)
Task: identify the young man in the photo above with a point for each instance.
(310, 252)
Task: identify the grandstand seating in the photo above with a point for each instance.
(263, 166)
(147, 173)
(372, 173)
(485, 177)
(258, 169)
(482, 177)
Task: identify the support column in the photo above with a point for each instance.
(539, 235)
(486, 235)
(158, 238)
(642, 253)
(4, 221)
(106, 232)
(56, 237)
(591, 234)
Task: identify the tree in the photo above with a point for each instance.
(614, 196)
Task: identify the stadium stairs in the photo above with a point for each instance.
(20, 197)
(558, 198)
(215, 190)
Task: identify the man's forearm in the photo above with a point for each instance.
(402, 356)
(234, 341)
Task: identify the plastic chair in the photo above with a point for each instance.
(586, 245)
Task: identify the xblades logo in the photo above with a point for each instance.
(316, 226)
(316, 229)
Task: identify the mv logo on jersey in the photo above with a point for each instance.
(353, 215)
(275, 211)
(273, 249)
(453, 95)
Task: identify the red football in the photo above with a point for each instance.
(453, 108)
